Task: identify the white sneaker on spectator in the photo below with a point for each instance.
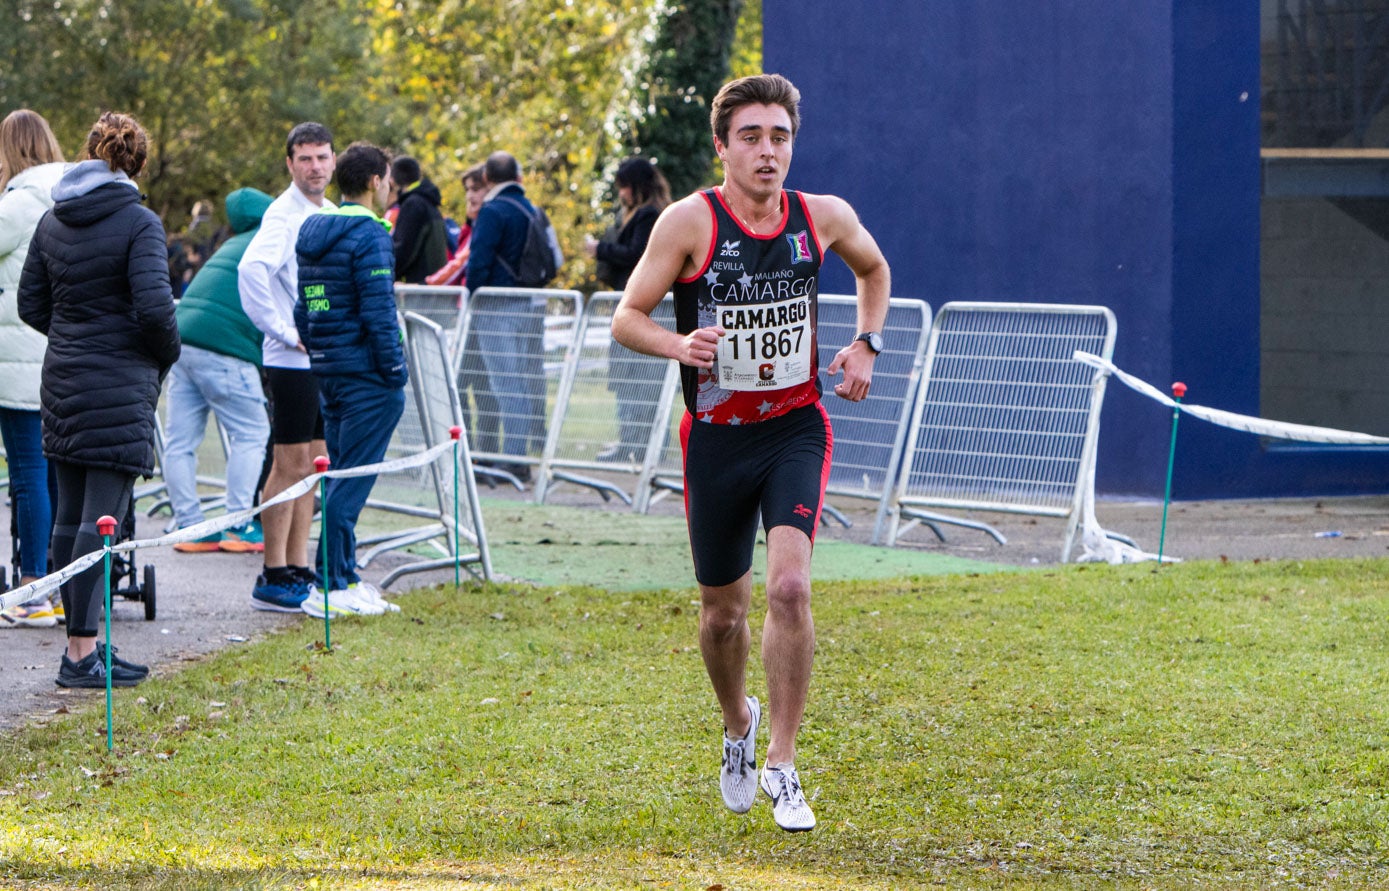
(789, 808)
(738, 770)
(345, 602)
(372, 594)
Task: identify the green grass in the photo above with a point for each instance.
(1206, 725)
(618, 550)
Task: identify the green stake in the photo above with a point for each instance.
(321, 465)
(1178, 391)
(107, 527)
(456, 433)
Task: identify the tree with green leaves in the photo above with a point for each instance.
(688, 64)
(218, 84)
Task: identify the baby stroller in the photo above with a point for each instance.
(124, 573)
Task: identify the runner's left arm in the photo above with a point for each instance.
(841, 231)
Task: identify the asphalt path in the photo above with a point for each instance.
(203, 600)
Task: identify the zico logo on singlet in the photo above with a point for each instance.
(315, 299)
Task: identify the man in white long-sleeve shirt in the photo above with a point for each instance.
(268, 278)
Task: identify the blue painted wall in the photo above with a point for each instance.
(1086, 152)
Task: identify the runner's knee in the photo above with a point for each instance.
(788, 593)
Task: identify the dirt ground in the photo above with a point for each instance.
(203, 599)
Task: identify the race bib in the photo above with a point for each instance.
(766, 347)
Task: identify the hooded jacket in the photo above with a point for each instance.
(96, 281)
(346, 312)
(210, 316)
(26, 199)
(419, 236)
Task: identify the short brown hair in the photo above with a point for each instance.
(757, 89)
(26, 141)
(475, 174)
(120, 141)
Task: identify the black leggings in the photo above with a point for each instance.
(85, 495)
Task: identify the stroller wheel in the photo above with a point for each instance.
(147, 593)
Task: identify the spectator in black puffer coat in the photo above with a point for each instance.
(96, 281)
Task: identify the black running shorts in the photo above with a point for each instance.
(779, 467)
(294, 413)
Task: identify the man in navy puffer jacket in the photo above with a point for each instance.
(346, 316)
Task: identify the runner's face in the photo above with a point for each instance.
(758, 154)
(311, 167)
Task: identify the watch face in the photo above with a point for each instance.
(874, 341)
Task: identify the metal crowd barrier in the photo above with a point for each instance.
(457, 515)
(518, 343)
(1006, 419)
(611, 410)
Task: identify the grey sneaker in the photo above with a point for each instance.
(738, 772)
(789, 807)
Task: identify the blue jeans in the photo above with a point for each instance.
(31, 487)
(511, 336)
(200, 381)
(358, 420)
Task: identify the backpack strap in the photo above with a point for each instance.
(529, 219)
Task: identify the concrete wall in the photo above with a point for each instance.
(1325, 334)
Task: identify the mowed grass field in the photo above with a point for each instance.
(1206, 724)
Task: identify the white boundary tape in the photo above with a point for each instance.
(33, 590)
(1257, 426)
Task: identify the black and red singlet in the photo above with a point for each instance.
(762, 290)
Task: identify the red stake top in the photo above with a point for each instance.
(455, 432)
(1179, 389)
(106, 525)
(320, 464)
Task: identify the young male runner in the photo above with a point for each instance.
(743, 262)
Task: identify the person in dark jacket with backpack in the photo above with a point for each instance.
(419, 234)
(510, 329)
(346, 316)
(96, 281)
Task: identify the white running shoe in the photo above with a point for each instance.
(789, 808)
(738, 772)
(369, 593)
(338, 603)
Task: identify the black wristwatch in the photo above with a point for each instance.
(873, 339)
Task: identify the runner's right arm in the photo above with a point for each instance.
(678, 244)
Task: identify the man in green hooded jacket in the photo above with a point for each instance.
(219, 371)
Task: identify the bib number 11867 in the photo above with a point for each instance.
(766, 346)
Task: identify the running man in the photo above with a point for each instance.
(743, 261)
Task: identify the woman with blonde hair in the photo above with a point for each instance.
(30, 165)
(96, 282)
